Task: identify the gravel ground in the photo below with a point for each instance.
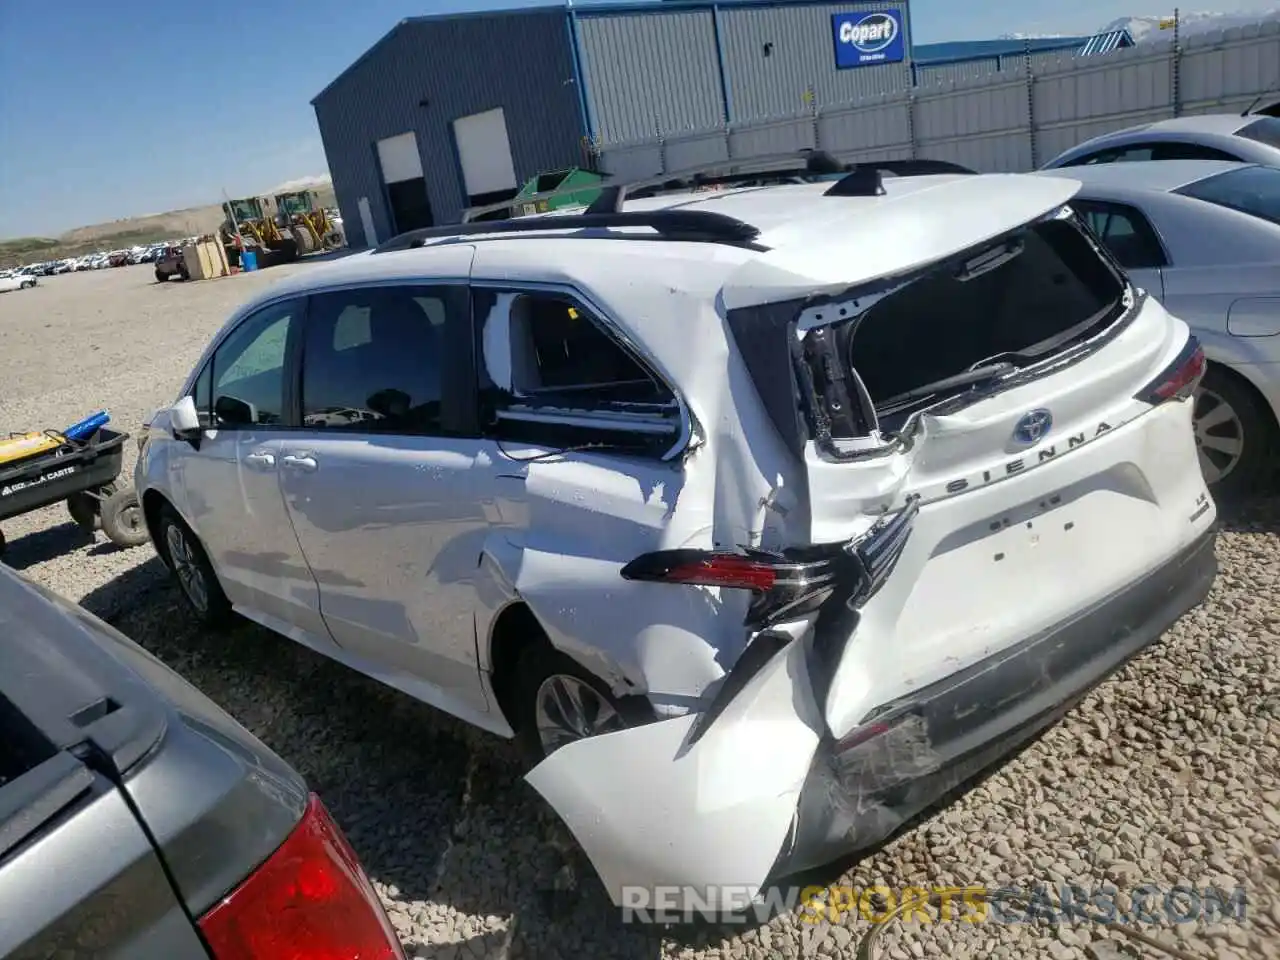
(1169, 773)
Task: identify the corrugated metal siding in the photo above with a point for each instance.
(651, 73)
(957, 71)
(802, 57)
(459, 66)
(984, 122)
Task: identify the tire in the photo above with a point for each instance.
(161, 277)
(215, 608)
(184, 273)
(122, 518)
(541, 663)
(1245, 421)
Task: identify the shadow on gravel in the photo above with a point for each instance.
(44, 545)
(1259, 514)
(468, 858)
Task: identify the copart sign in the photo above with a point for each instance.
(865, 39)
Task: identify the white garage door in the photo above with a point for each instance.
(399, 158)
(485, 152)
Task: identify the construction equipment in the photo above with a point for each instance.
(300, 213)
(249, 225)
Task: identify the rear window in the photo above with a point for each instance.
(1264, 130)
(1021, 298)
(1251, 190)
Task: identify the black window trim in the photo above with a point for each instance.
(603, 421)
(459, 417)
(1137, 216)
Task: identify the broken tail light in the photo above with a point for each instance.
(310, 899)
(832, 580)
(1179, 379)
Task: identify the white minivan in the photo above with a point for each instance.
(761, 516)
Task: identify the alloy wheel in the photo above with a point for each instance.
(569, 709)
(1219, 434)
(190, 575)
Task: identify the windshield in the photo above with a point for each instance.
(244, 210)
(1264, 130)
(1251, 190)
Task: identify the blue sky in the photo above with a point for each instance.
(115, 109)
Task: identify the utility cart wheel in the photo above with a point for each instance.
(122, 519)
(85, 507)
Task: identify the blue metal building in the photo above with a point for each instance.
(446, 112)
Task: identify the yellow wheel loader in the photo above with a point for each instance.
(301, 212)
(248, 225)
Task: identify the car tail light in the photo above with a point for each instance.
(310, 900)
(833, 580)
(1179, 379)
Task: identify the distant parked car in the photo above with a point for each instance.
(1209, 136)
(171, 263)
(1203, 236)
(14, 280)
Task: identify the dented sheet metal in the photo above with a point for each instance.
(650, 810)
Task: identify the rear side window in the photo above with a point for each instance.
(1156, 150)
(1251, 190)
(372, 361)
(553, 372)
(1125, 232)
(1114, 155)
(1263, 130)
(1191, 151)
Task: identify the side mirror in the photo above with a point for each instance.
(184, 420)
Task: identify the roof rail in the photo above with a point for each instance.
(691, 226)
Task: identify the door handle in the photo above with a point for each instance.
(300, 461)
(260, 459)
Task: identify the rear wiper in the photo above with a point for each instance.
(969, 377)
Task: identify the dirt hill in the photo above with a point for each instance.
(126, 233)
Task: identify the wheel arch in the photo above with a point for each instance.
(153, 504)
(513, 630)
(1255, 391)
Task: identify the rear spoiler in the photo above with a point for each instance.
(805, 167)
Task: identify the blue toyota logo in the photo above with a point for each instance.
(1033, 426)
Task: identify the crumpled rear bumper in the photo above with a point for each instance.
(918, 748)
(765, 791)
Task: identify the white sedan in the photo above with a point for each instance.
(13, 280)
(1203, 237)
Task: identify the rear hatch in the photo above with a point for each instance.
(967, 357)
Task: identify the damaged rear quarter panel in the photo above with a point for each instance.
(650, 810)
(567, 524)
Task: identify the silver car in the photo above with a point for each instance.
(1210, 136)
(1204, 238)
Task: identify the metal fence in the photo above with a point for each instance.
(1008, 120)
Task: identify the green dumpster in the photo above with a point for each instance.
(566, 180)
